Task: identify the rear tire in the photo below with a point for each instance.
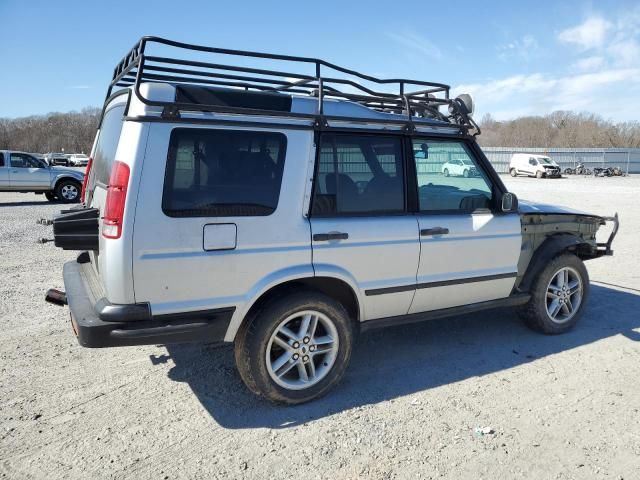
(513, 172)
(305, 334)
(68, 191)
(558, 296)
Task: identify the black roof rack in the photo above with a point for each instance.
(409, 99)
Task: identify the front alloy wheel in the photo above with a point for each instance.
(564, 295)
(558, 295)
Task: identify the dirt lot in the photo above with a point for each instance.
(559, 407)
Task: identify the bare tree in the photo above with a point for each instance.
(559, 129)
(73, 131)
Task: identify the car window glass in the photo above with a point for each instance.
(20, 160)
(441, 188)
(223, 173)
(1, 159)
(532, 161)
(359, 174)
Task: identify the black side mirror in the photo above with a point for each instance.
(509, 202)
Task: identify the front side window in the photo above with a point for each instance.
(1, 159)
(21, 160)
(220, 173)
(441, 188)
(359, 174)
(532, 161)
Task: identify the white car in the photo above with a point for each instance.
(288, 220)
(533, 165)
(460, 168)
(78, 160)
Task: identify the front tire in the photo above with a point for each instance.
(558, 296)
(295, 348)
(539, 174)
(68, 191)
(465, 174)
(446, 172)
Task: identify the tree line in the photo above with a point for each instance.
(559, 129)
(74, 132)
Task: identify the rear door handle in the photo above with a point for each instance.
(325, 237)
(434, 231)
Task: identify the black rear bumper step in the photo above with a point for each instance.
(104, 324)
(56, 297)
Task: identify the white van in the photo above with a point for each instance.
(533, 165)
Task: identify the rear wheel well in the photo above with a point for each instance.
(337, 289)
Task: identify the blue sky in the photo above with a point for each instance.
(516, 58)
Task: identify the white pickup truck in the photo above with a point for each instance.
(22, 172)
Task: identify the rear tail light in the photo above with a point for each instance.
(116, 196)
(86, 179)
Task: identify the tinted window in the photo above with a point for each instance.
(108, 138)
(21, 160)
(217, 173)
(1, 159)
(465, 190)
(532, 161)
(359, 174)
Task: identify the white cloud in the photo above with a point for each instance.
(417, 43)
(589, 34)
(540, 94)
(588, 64)
(523, 48)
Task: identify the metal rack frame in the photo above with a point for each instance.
(411, 99)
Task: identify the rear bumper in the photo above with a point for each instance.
(99, 323)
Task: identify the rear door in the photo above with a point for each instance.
(361, 230)
(27, 172)
(469, 250)
(220, 215)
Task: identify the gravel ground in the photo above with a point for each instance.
(552, 407)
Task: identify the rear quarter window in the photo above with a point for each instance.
(108, 138)
(222, 173)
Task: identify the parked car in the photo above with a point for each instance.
(538, 166)
(57, 159)
(286, 221)
(22, 172)
(462, 168)
(78, 160)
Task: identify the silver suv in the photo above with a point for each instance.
(286, 211)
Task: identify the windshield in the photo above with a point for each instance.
(546, 161)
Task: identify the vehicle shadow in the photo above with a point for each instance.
(397, 361)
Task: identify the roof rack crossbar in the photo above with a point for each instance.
(401, 96)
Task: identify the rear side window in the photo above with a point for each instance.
(222, 173)
(359, 174)
(108, 138)
(1, 159)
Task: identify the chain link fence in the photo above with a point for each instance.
(627, 159)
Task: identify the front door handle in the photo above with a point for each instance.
(434, 231)
(325, 237)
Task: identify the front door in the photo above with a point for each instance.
(28, 172)
(361, 230)
(469, 250)
(4, 172)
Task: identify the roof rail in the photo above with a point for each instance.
(409, 99)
